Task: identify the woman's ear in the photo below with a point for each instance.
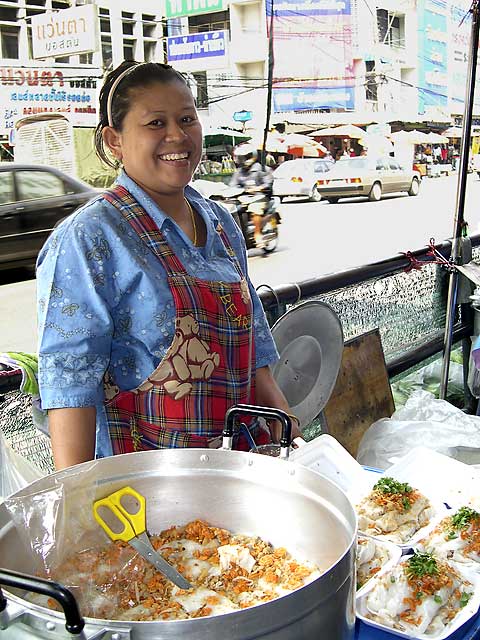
(112, 138)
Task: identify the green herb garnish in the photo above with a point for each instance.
(392, 579)
(451, 535)
(421, 564)
(437, 599)
(390, 485)
(463, 517)
(464, 598)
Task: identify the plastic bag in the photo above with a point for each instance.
(15, 471)
(57, 534)
(423, 421)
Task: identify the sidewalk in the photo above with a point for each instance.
(18, 317)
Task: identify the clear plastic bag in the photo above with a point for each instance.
(15, 471)
(423, 421)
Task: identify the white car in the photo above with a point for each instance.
(300, 177)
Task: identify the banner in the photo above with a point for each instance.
(26, 92)
(198, 51)
(432, 63)
(319, 34)
(179, 8)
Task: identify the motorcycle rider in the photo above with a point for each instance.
(251, 176)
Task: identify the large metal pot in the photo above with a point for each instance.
(288, 505)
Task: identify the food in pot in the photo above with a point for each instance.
(420, 595)
(456, 538)
(372, 555)
(393, 510)
(229, 572)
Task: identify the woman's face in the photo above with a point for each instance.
(160, 142)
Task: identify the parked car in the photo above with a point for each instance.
(368, 176)
(33, 198)
(299, 178)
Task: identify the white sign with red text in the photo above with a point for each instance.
(27, 92)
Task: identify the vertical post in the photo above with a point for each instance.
(460, 202)
(271, 59)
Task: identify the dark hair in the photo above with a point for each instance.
(143, 74)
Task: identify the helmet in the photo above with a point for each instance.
(245, 155)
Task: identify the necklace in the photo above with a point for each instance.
(194, 225)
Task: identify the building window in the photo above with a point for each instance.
(149, 51)
(9, 41)
(370, 81)
(86, 58)
(391, 29)
(129, 50)
(202, 89)
(127, 23)
(148, 26)
(107, 56)
(210, 22)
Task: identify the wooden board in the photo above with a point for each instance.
(362, 393)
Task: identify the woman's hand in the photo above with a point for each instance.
(72, 432)
(269, 394)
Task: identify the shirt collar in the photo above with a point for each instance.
(200, 203)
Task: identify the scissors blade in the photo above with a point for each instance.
(146, 550)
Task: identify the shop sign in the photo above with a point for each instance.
(65, 32)
(198, 51)
(179, 8)
(26, 92)
(314, 98)
(242, 116)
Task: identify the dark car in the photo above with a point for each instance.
(33, 199)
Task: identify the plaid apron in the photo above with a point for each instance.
(206, 369)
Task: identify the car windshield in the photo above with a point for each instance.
(355, 163)
(290, 167)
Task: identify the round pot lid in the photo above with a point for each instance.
(309, 338)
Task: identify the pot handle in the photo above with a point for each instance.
(74, 623)
(258, 412)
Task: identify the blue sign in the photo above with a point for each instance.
(242, 116)
(301, 8)
(433, 60)
(314, 98)
(197, 46)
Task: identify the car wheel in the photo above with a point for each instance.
(333, 200)
(414, 188)
(315, 195)
(375, 192)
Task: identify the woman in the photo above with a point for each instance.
(149, 329)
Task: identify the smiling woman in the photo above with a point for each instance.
(150, 356)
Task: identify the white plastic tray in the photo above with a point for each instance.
(394, 553)
(465, 614)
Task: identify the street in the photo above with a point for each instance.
(315, 239)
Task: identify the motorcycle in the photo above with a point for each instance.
(243, 205)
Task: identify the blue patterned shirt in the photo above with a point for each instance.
(104, 304)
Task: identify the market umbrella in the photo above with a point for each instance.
(343, 131)
(300, 145)
(453, 132)
(216, 136)
(436, 137)
(418, 137)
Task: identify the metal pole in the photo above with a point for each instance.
(460, 202)
(269, 83)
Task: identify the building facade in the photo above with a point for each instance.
(336, 61)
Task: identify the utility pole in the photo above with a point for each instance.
(271, 59)
(459, 223)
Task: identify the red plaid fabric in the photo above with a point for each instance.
(208, 366)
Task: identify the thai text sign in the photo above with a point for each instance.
(178, 8)
(65, 32)
(28, 92)
(198, 51)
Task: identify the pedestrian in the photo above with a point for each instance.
(149, 327)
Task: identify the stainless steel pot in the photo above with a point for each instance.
(288, 505)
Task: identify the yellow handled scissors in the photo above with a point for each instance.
(122, 516)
